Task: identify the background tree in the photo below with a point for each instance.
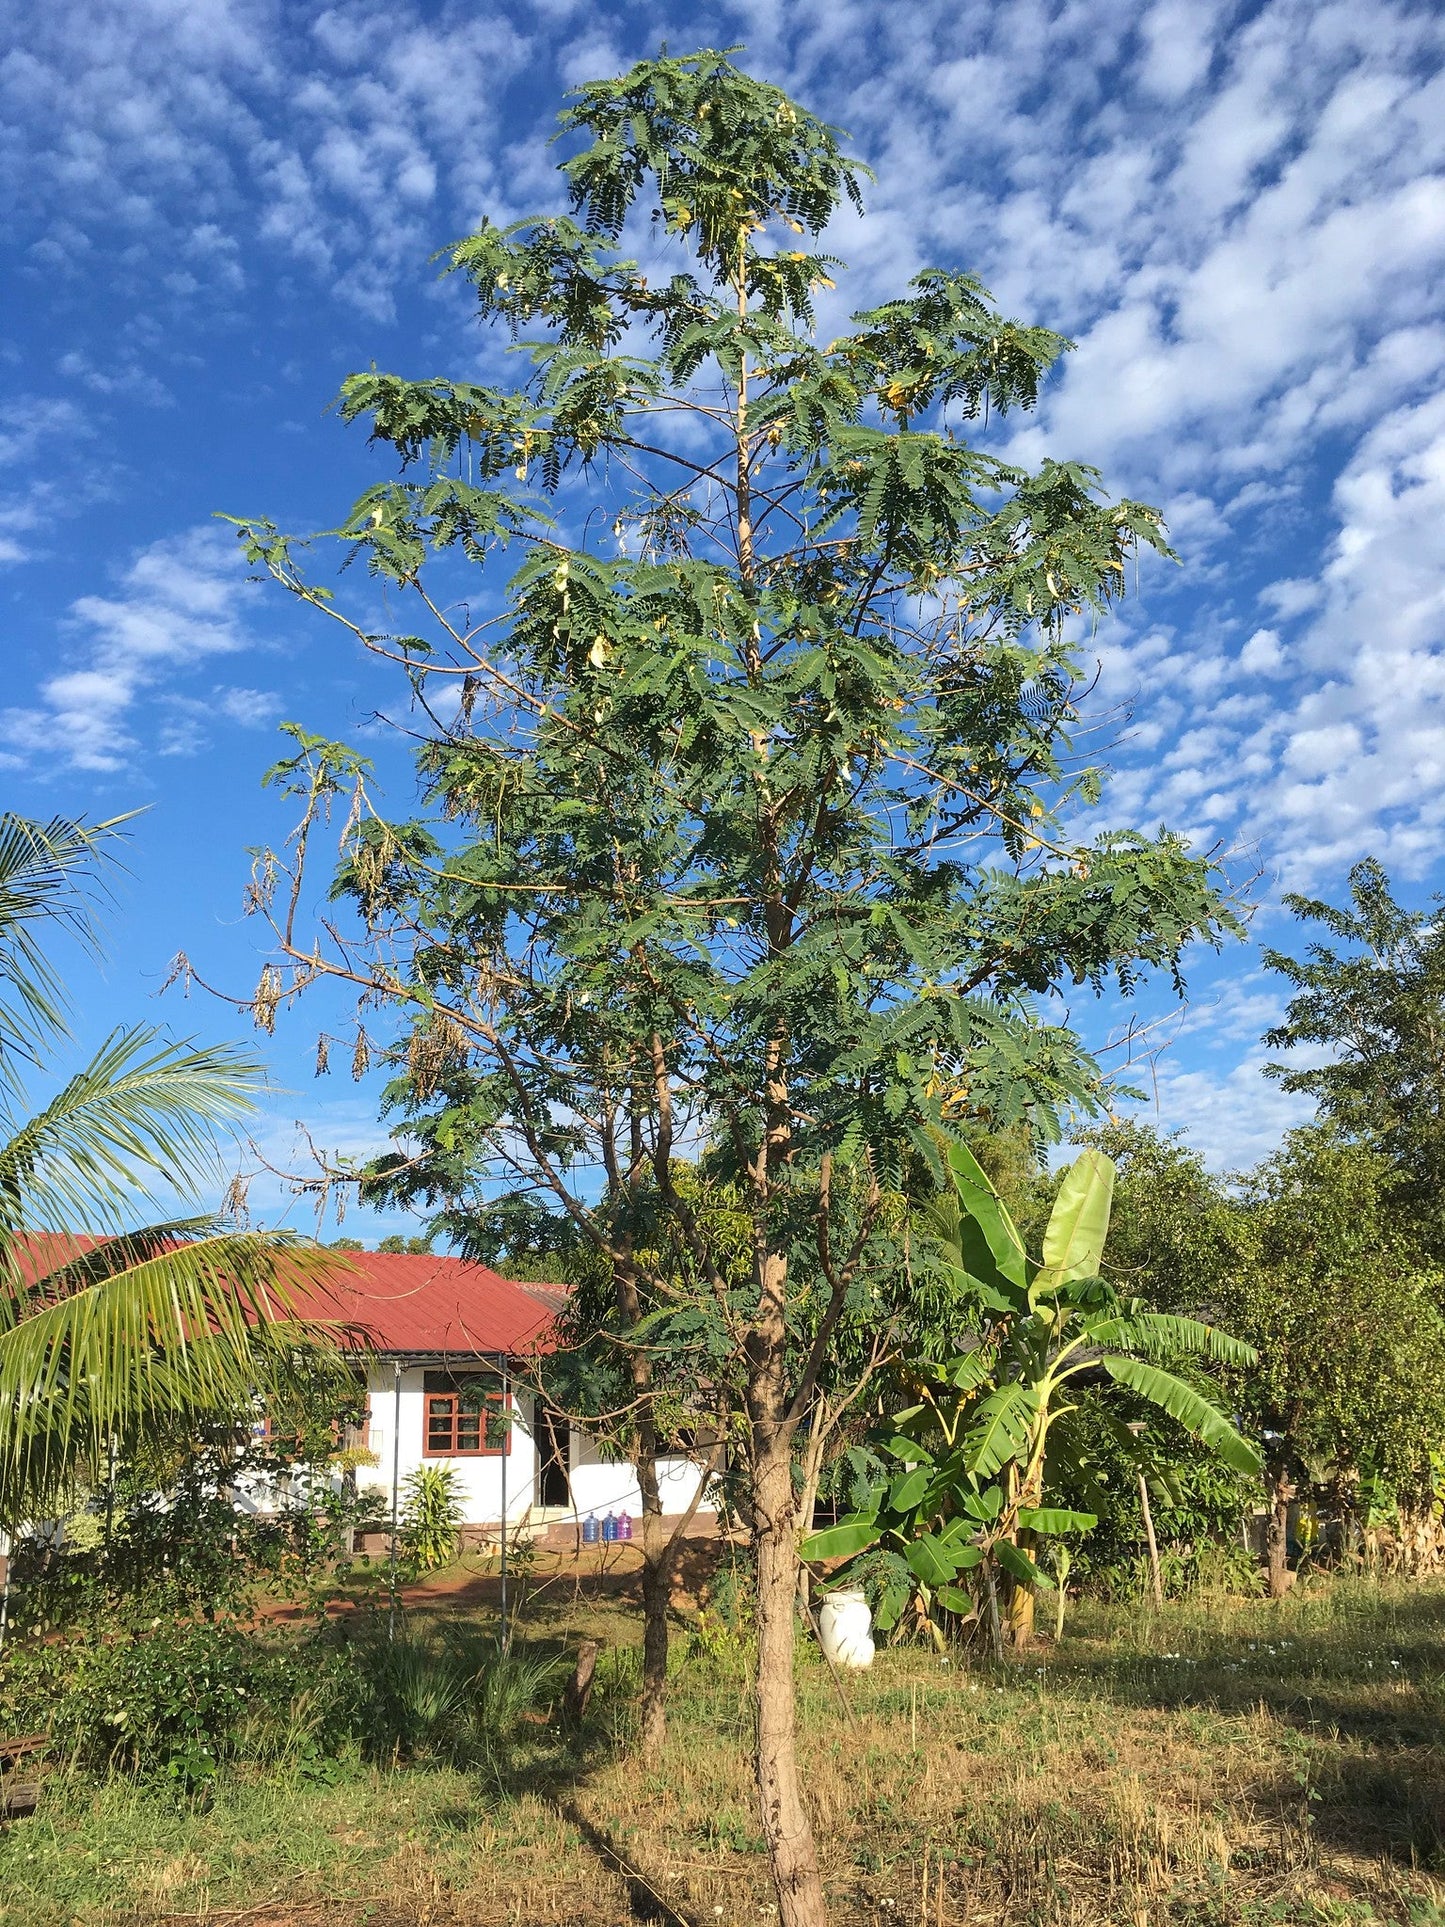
(746, 792)
(110, 1333)
(1375, 1010)
(1333, 1290)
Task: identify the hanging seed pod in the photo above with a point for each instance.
(353, 820)
(361, 1054)
(268, 997)
(323, 1055)
(179, 972)
(233, 1204)
(262, 887)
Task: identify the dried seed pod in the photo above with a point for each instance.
(268, 996)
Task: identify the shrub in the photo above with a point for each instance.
(176, 1699)
(459, 1698)
(432, 1517)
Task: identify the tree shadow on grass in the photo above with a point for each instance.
(1369, 1807)
(1372, 1677)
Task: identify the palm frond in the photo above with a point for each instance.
(138, 1118)
(48, 881)
(154, 1326)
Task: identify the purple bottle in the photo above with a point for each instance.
(624, 1525)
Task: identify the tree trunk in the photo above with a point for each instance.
(658, 1546)
(658, 1555)
(786, 1826)
(1019, 1611)
(1020, 1614)
(1277, 1536)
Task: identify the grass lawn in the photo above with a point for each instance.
(1223, 1762)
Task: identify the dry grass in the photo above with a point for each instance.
(1229, 1763)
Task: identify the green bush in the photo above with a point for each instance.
(179, 1698)
(175, 1699)
(458, 1698)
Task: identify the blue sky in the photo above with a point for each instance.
(220, 208)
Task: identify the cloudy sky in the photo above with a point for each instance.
(221, 207)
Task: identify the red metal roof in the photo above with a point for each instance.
(395, 1301)
(404, 1302)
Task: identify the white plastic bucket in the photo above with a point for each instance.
(845, 1627)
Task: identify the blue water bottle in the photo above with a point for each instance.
(609, 1530)
(591, 1532)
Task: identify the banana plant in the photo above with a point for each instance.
(959, 1483)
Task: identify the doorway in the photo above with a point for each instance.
(554, 1446)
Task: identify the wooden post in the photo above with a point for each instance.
(579, 1687)
(1153, 1542)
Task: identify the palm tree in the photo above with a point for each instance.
(111, 1334)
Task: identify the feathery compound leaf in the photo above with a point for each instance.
(138, 1119)
(48, 884)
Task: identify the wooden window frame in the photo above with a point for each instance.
(458, 1389)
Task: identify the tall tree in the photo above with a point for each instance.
(748, 787)
(107, 1331)
(1376, 1007)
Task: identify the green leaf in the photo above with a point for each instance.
(841, 1541)
(1079, 1221)
(1002, 1431)
(955, 1601)
(108, 1338)
(1052, 1519)
(1190, 1407)
(992, 1249)
(1016, 1562)
(909, 1487)
(930, 1560)
(1158, 1332)
(984, 1506)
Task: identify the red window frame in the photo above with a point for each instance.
(464, 1420)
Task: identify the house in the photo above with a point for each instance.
(450, 1349)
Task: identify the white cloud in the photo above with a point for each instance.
(178, 605)
(326, 133)
(1262, 655)
(1177, 46)
(1233, 1117)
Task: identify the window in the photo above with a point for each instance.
(465, 1418)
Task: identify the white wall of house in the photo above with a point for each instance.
(598, 1485)
(479, 1480)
